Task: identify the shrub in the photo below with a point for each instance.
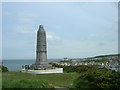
(99, 78)
(83, 84)
(4, 69)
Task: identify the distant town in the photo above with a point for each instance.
(108, 61)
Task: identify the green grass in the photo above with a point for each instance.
(24, 80)
(0, 80)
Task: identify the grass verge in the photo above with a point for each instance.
(26, 80)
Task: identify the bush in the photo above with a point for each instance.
(4, 69)
(81, 83)
(69, 69)
(99, 78)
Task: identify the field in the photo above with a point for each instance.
(0, 80)
(25, 80)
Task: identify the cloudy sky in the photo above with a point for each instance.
(74, 29)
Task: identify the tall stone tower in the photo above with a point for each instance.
(41, 51)
(41, 65)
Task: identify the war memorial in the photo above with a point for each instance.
(41, 65)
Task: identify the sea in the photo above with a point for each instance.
(16, 65)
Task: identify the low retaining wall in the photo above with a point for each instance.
(57, 70)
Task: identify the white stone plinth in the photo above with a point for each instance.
(57, 70)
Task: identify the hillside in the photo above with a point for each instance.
(108, 55)
(26, 80)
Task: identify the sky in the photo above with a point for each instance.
(74, 29)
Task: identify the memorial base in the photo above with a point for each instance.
(41, 67)
(56, 70)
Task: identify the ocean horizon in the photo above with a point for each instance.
(16, 65)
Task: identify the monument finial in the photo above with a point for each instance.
(41, 27)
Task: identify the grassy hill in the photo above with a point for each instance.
(108, 55)
(25, 80)
(103, 58)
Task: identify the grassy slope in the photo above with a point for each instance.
(108, 55)
(62, 80)
(0, 80)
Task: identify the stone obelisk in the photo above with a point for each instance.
(41, 50)
(41, 65)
